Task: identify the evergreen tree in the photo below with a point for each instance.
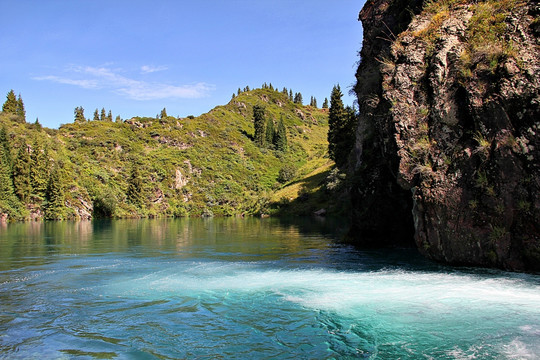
(298, 98)
(39, 169)
(20, 111)
(285, 91)
(11, 104)
(79, 114)
(118, 119)
(280, 139)
(233, 96)
(341, 127)
(96, 115)
(313, 102)
(21, 174)
(37, 125)
(134, 192)
(6, 147)
(239, 91)
(103, 115)
(163, 114)
(6, 183)
(290, 95)
(109, 116)
(325, 103)
(270, 133)
(260, 125)
(54, 196)
(271, 87)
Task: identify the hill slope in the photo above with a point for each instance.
(195, 166)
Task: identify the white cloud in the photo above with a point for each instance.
(86, 84)
(145, 69)
(89, 77)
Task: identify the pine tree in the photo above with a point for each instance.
(134, 192)
(10, 106)
(260, 125)
(285, 91)
(280, 139)
(313, 102)
(54, 196)
(109, 116)
(103, 115)
(118, 119)
(163, 114)
(79, 114)
(6, 147)
(39, 169)
(20, 111)
(6, 183)
(325, 103)
(270, 132)
(290, 95)
(239, 91)
(37, 125)
(271, 87)
(298, 98)
(96, 115)
(21, 174)
(341, 127)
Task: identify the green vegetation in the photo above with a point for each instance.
(486, 44)
(342, 125)
(162, 166)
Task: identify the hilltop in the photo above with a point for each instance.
(166, 166)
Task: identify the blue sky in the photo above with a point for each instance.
(137, 57)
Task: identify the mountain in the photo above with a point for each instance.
(166, 166)
(447, 147)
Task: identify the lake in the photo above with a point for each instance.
(248, 289)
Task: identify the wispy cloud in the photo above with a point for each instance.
(146, 69)
(89, 77)
(87, 84)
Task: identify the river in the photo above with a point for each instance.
(248, 289)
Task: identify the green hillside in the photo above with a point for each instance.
(148, 167)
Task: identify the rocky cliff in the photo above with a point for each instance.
(447, 150)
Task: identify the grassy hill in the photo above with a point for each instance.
(195, 166)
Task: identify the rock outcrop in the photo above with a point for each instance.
(448, 140)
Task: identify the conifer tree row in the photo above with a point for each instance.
(265, 133)
(14, 106)
(79, 114)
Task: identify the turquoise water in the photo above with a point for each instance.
(248, 289)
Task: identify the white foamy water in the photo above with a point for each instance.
(273, 295)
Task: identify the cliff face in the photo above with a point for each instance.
(448, 140)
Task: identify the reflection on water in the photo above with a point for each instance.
(34, 242)
(248, 288)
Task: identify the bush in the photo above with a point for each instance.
(286, 173)
(105, 204)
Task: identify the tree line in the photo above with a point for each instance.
(295, 98)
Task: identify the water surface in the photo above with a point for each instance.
(248, 289)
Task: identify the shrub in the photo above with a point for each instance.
(286, 173)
